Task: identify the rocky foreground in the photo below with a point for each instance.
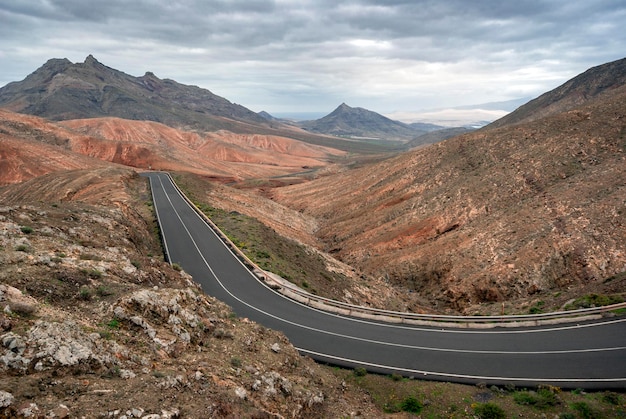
(95, 324)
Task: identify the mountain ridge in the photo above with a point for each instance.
(61, 90)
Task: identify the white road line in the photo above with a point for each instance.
(424, 348)
(409, 327)
(156, 211)
(464, 376)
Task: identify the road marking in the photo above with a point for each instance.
(424, 373)
(434, 329)
(415, 347)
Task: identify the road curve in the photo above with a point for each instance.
(589, 355)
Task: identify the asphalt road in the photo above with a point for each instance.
(589, 355)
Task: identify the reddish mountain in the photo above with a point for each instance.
(33, 146)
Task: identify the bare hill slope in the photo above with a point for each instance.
(531, 210)
(33, 146)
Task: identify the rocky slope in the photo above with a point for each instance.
(95, 324)
(528, 212)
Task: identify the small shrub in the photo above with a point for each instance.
(489, 411)
(135, 264)
(22, 248)
(85, 294)
(611, 398)
(543, 398)
(176, 267)
(396, 377)
(262, 254)
(26, 230)
(585, 411)
(235, 362)
(113, 324)
(411, 405)
(360, 372)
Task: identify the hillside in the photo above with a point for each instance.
(360, 123)
(33, 146)
(529, 212)
(94, 323)
(593, 82)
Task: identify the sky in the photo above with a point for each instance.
(395, 57)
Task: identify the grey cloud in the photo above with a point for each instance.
(319, 51)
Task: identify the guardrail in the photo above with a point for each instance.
(293, 292)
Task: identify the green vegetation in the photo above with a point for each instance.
(489, 411)
(85, 294)
(594, 300)
(26, 229)
(103, 291)
(394, 394)
(113, 324)
(543, 398)
(22, 248)
(537, 308)
(411, 405)
(585, 411)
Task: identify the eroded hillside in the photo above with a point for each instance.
(530, 212)
(95, 324)
(32, 146)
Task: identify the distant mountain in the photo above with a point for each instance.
(424, 126)
(267, 116)
(61, 90)
(346, 121)
(593, 82)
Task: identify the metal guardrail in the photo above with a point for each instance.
(327, 304)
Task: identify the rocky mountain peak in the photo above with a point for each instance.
(90, 60)
(91, 89)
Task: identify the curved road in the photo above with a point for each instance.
(588, 355)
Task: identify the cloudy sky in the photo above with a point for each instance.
(311, 55)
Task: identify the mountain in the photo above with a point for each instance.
(593, 82)
(61, 90)
(346, 121)
(494, 219)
